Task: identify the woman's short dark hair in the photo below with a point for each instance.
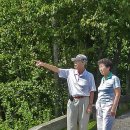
(106, 62)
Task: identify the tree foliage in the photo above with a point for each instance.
(30, 28)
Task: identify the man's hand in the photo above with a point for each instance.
(39, 63)
(89, 108)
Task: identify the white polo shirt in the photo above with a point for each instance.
(79, 85)
(106, 88)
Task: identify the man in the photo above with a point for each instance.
(109, 92)
(81, 86)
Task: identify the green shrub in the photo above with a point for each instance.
(24, 104)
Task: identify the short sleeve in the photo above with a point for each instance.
(93, 86)
(63, 73)
(116, 83)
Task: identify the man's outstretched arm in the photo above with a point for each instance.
(48, 66)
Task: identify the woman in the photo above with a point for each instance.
(109, 93)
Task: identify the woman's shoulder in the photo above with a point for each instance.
(115, 78)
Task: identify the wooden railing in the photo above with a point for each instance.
(61, 122)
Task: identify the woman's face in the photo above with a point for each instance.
(104, 70)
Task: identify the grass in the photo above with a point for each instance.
(92, 125)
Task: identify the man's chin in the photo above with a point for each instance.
(75, 67)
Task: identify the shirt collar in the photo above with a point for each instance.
(84, 72)
(109, 76)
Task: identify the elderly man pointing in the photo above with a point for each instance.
(81, 86)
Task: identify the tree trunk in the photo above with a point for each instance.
(57, 98)
(116, 59)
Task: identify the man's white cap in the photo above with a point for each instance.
(79, 57)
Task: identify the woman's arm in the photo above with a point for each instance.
(116, 101)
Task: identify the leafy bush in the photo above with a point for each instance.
(25, 104)
(29, 29)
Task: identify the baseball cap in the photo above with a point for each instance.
(79, 57)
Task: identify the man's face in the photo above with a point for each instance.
(103, 69)
(78, 64)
